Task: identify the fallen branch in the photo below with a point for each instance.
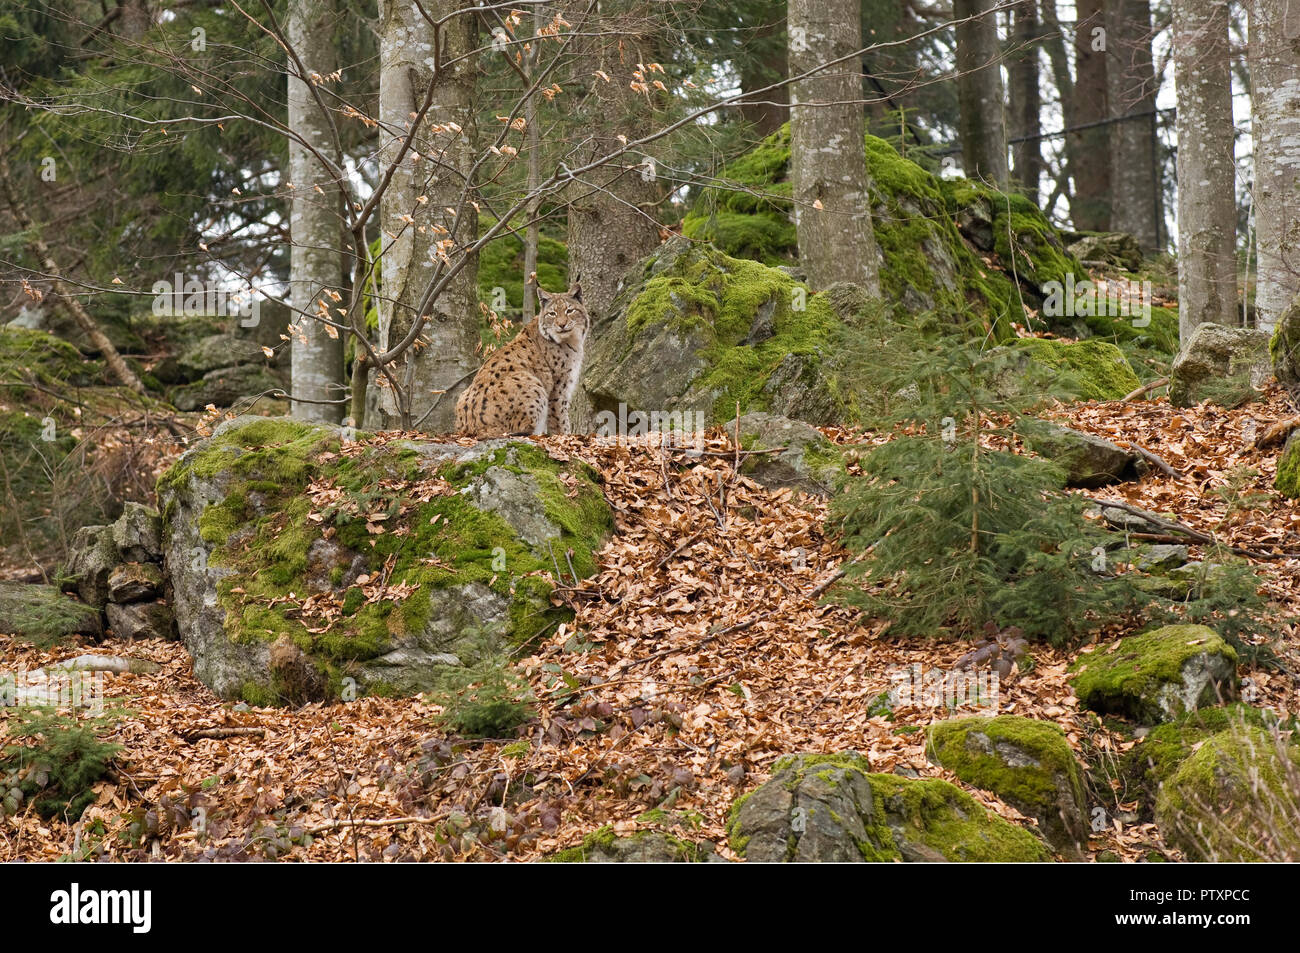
(1276, 433)
(216, 733)
(1146, 388)
(1195, 535)
(1153, 459)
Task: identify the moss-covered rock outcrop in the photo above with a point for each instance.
(831, 807)
(380, 562)
(1026, 762)
(1235, 799)
(699, 331)
(931, 232)
(1284, 348)
(605, 846)
(1158, 676)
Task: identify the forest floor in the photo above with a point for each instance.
(699, 655)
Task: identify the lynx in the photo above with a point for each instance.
(525, 387)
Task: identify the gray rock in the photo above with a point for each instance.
(832, 808)
(224, 386)
(1088, 460)
(464, 623)
(642, 847)
(43, 614)
(810, 462)
(91, 559)
(141, 620)
(134, 582)
(137, 533)
(1216, 358)
(1116, 249)
(218, 351)
(1165, 556)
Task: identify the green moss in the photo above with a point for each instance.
(1128, 679)
(264, 527)
(1031, 788)
(1234, 799)
(1147, 765)
(933, 813)
(603, 843)
(1092, 369)
(1287, 481)
(913, 223)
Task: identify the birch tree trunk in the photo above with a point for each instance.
(315, 264)
(1207, 206)
(982, 125)
(1137, 203)
(1274, 54)
(414, 216)
(832, 189)
(1089, 145)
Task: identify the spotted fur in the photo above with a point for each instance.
(525, 387)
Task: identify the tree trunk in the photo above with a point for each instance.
(1090, 145)
(315, 266)
(1274, 53)
(1026, 100)
(1137, 201)
(832, 189)
(612, 223)
(443, 152)
(1207, 207)
(982, 125)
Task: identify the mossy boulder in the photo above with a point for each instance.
(1284, 349)
(604, 846)
(809, 461)
(1108, 249)
(832, 807)
(1085, 370)
(1026, 762)
(381, 562)
(43, 614)
(225, 386)
(699, 331)
(1146, 766)
(933, 235)
(1234, 799)
(1287, 481)
(218, 351)
(1158, 676)
(1088, 460)
(1219, 364)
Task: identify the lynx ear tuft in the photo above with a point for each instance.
(576, 291)
(543, 295)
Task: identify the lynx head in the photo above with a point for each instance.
(563, 318)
